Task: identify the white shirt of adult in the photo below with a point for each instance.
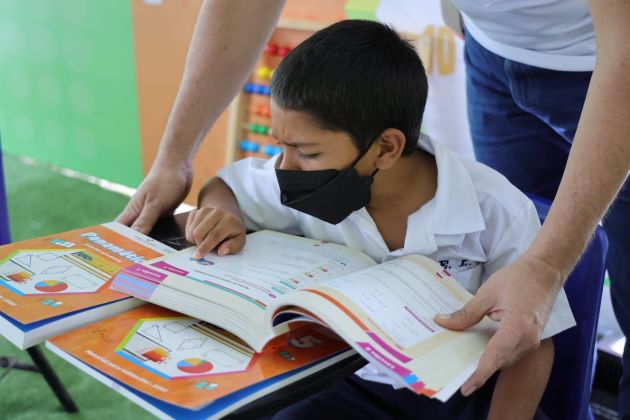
(550, 34)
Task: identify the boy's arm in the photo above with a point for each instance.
(218, 221)
(217, 194)
(520, 387)
(254, 184)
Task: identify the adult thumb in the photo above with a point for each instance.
(465, 317)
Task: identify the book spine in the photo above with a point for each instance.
(138, 281)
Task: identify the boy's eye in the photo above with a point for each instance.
(309, 155)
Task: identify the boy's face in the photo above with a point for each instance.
(308, 147)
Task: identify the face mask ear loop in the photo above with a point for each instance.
(363, 153)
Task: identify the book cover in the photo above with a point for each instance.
(59, 274)
(186, 362)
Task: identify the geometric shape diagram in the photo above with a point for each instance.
(57, 269)
(25, 260)
(51, 286)
(219, 357)
(152, 344)
(79, 281)
(47, 256)
(176, 327)
(153, 332)
(194, 365)
(77, 276)
(192, 344)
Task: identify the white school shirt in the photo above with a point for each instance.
(551, 34)
(476, 223)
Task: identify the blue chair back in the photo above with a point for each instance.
(568, 393)
(5, 237)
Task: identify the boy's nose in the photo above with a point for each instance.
(287, 163)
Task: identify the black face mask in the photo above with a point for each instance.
(329, 195)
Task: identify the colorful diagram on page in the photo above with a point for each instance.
(181, 347)
(31, 272)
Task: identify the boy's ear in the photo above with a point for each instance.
(390, 145)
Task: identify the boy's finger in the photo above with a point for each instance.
(214, 232)
(232, 245)
(203, 226)
(208, 244)
(189, 224)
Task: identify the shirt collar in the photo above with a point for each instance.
(455, 206)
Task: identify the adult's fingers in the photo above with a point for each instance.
(147, 218)
(129, 214)
(466, 317)
(508, 344)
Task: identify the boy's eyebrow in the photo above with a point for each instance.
(290, 144)
(298, 144)
(294, 144)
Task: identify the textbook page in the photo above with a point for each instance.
(386, 313)
(240, 287)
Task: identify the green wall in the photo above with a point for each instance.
(67, 85)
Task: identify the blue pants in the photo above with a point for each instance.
(522, 122)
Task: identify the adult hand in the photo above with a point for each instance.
(520, 296)
(159, 194)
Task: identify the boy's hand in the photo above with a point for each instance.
(210, 228)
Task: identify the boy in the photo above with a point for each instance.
(347, 108)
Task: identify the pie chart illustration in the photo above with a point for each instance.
(194, 365)
(51, 286)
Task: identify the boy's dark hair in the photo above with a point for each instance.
(355, 76)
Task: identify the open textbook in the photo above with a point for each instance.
(57, 282)
(180, 367)
(384, 311)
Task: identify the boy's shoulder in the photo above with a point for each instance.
(494, 190)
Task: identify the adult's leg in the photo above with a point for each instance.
(505, 136)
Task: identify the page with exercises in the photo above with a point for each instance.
(240, 286)
(386, 312)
